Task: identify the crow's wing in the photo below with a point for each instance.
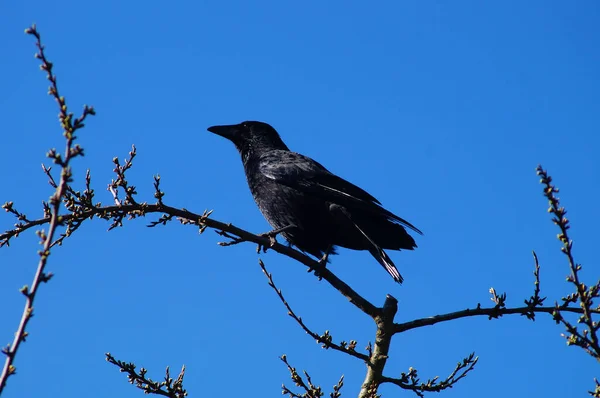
(306, 175)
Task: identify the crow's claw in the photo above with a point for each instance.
(272, 235)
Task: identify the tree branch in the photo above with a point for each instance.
(489, 312)
(141, 209)
(588, 339)
(379, 355)
(70, 126)
(410, 381)
(80, 208)
(311, 390)
(326, 338)
(168, 388)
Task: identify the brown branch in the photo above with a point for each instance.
(141, 209)
(588, 339)
(81, 208)
(69, 126)
(379, 354)
(376, 358)
(167, 388)
(410, 381)
(535, 300)
(121, 181)
(311, 390)
(324, 339)
(336, 393)
(533, 306)
(489, 312)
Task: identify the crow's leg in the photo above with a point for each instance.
(272, 236)
(322, 263)
(324, 259)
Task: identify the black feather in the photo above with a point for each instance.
(292, 189)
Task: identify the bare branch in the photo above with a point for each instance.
(70, 126)
(379, 354)
(588, 338)
(337, 388)
(118, 213)
(489, 312)
(535, 300)
(534, 305)
(121, 181)
(311, 390)
(410, 381)
(166, 388)
(326, 338)
(80, 207)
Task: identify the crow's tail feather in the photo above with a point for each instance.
(383, 259)
(375, 250)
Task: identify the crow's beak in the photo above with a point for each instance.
(228, 132)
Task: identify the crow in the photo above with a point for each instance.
(314, 209)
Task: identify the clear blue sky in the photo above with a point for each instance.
(440, 111)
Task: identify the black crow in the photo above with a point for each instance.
(312, 208)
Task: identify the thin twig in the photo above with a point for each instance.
(535, 300)
(489, 312)
(69, 126)
(169, 387)
(312, 391)
(326, 338)
(588, 339)
(410, 381)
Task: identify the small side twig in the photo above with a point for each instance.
(311, 390)
(336, 393)
(121, 180)
(535, 300)
(169, 387)
(21, 225)
(410, 381)
(326, 339)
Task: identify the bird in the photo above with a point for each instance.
(312, 208)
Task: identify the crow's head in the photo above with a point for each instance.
(250, 136)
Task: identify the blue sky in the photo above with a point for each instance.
(441, 111)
